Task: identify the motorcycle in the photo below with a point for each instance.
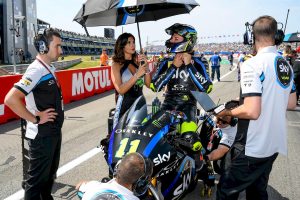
(155, 135)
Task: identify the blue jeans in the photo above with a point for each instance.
(213, 70)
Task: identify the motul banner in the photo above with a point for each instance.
(6, 83)
(76, 84)
(82, 83)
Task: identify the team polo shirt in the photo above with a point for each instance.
(111, 190)
(228, 135)
(41, 92)
(215, 60)
(269, 76)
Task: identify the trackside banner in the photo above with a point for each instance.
(76, 84)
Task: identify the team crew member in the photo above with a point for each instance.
(183, 75)
(267, 91)
(227, 139)
(103, 58)
(230, 59)
(44, 114)
(132, 178)
(215, 61)
(127, 76)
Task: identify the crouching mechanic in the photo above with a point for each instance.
(228, 126)
(132, 177)
(186, 73)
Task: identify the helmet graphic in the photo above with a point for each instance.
(187, 32)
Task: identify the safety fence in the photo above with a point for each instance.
(76, 84)
(60, 65)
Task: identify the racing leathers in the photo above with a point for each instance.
(180, 81)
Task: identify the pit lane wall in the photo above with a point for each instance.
(76, 84)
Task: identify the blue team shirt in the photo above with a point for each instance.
(215, 60)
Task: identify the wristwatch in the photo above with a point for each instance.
(38, 119)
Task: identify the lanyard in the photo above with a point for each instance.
(56, 81)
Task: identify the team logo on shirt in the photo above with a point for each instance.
(283, 72)
(108, 195)
(26, 81)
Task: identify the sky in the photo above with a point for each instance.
(211, 18)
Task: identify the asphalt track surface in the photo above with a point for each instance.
(86, 123)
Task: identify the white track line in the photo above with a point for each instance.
(235, 65)
(62, 170)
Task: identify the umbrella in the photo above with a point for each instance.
(292, 37)
(121, 12)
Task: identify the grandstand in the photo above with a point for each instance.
(210, 48)
(23, 30)
(81, 44)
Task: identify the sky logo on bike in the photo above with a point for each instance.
(180, 171)
(160, 159)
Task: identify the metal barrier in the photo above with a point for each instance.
(60, 65)
(21, 68)
(95, 57)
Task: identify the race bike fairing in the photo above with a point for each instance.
(131, 119)
(152, 135)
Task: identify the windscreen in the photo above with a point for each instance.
(204, 100)
(136, 114)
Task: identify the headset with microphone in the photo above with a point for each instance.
(140, 186)
(40, 41)
(249, 38)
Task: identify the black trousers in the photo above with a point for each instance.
(245, 173)
(215, 69)
(44, 155)
(297, 84)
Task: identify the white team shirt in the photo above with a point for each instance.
(228, 135)
(267, 75)
(111, 190)
(40, 90)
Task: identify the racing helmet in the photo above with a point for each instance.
(189, 35)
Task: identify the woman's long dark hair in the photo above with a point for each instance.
(121, 42)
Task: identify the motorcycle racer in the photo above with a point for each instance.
(184, 74)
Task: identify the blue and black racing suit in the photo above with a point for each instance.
(180, 81)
